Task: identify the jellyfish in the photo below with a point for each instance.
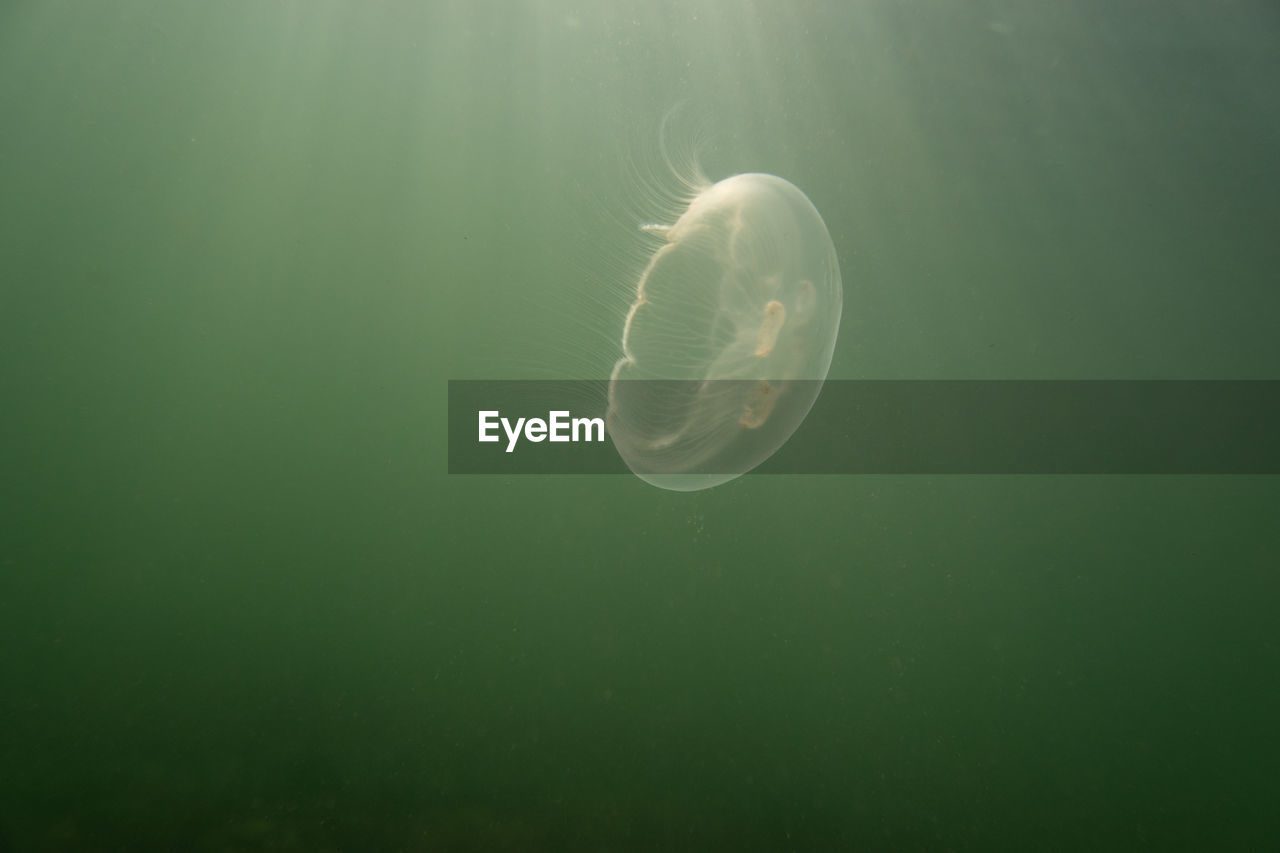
(729, 335)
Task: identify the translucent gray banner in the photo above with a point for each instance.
(897, 427)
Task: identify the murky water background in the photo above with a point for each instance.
(243, 246)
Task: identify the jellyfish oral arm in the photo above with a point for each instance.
(774, 316)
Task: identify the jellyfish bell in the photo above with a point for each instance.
(729, 334)
(701, 328)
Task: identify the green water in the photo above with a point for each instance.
(244, 245)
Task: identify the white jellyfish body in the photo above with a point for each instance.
(729, 337)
